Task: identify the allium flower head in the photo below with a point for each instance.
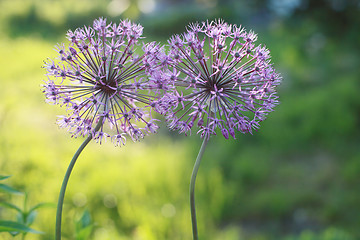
(221, 80)
(99, 76)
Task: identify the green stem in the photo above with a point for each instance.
(66, 179)
(192, 188)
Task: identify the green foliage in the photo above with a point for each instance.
(8, 189)
(24, 218)
(15, 227)
(328, 234)
(83, 226)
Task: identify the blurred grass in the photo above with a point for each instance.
(296, 179)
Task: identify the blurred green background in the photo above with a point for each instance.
(297, 178)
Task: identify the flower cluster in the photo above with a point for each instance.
(220, 79)
(98, 77)
(214, 77)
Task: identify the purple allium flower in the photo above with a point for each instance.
(220, 79)
(99, 76)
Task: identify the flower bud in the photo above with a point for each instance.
(225, 133)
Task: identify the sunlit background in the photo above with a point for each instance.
(297, 178)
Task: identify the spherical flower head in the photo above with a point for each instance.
(221, 81)
(98, 77)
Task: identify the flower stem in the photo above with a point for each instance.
(66, 179)
(192, 187)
